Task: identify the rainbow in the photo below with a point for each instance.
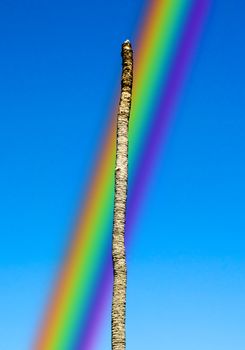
(167, 40)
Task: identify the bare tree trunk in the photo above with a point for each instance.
(121, 180)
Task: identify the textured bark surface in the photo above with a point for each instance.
(121, 180)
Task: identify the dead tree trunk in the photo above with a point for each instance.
(121, 179)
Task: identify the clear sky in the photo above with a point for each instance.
(59, 72)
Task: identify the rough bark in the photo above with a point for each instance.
(121, 180)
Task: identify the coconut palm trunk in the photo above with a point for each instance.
(118, 336)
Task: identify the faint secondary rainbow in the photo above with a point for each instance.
(69, 319)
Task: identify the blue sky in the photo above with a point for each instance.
(60, 67)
